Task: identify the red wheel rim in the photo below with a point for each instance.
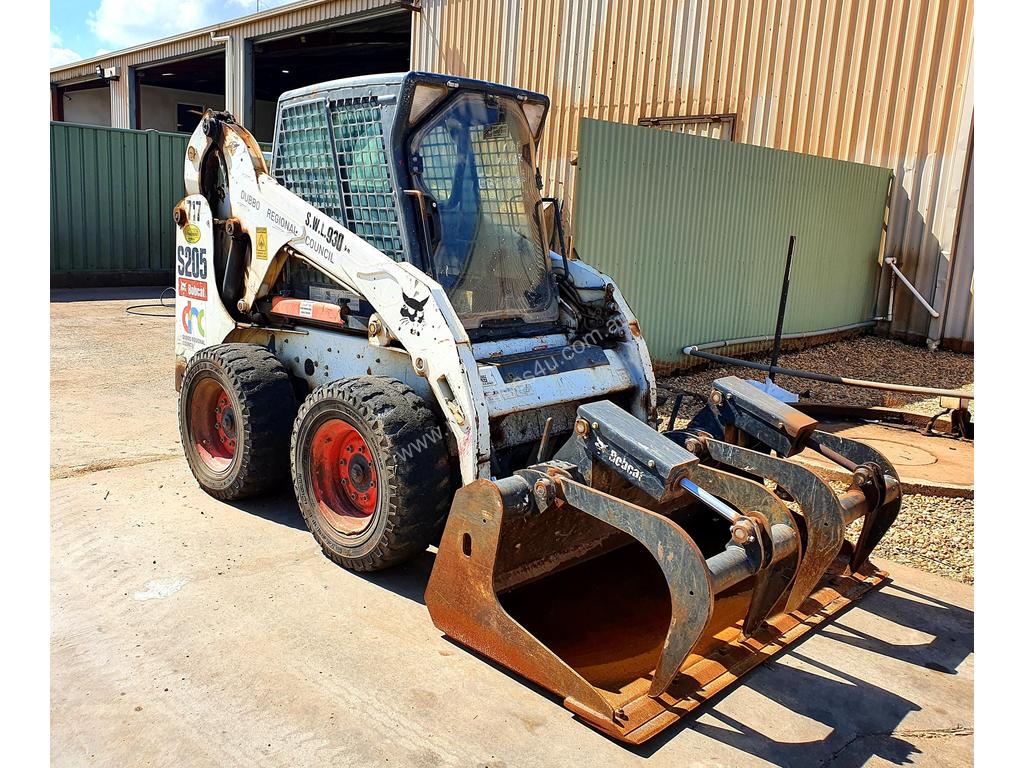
(344, 476)
(214, 429)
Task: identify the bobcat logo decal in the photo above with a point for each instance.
(412, 312)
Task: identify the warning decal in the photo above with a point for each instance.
(261, 242)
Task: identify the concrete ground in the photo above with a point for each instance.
(187, 631)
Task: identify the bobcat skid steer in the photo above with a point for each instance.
(378, 317)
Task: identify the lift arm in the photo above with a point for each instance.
(410, 306)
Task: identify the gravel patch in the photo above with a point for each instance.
(934, 534)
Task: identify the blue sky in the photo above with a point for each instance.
(81, 29)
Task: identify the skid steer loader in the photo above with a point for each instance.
(378, 316)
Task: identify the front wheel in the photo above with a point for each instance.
(235, 413)
(370, 470)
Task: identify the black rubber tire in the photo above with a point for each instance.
(263, 401)
(411, 460)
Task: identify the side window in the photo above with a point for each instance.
(304, 162)
(371, 209)
(438, 154)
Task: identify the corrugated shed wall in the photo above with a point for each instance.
(695, 232)
(874, 81)
(111, 196)
(958, 325)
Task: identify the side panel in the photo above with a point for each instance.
(318, 356)
(200, 317)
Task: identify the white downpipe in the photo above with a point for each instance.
(229, 69)
(910, 286)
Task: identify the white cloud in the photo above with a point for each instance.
(59, 54)
(123, 23)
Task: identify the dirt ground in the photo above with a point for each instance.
(186, 631)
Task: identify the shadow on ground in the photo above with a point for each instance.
(862, 719)
(280, 508)
(66, 295)
(408, 580)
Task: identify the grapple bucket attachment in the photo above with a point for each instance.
(637, 574)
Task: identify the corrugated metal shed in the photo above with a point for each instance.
(695, 232)
(883, 82)
(306, 14)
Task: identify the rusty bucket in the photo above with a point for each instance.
(635, 579)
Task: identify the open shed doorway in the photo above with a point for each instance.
(173, 96)
(367, 47)
(86, 103)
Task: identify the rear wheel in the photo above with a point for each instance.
(370, 470)
(234, 413)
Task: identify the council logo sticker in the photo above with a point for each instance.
(192, 233)
(192, 320)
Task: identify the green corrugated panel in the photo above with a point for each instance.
(695, 233)
(111, 196)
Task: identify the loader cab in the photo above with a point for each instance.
(437, 171)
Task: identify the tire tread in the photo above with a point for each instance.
(263, 389)
(418, 487)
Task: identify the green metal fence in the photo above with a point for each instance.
(111, 196)
(695, 232)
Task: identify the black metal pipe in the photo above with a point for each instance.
(863, 383)
(783, 299)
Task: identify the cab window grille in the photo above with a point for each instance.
(368, 195)
(304, 161)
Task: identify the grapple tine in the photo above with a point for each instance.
(771, 583)
(680, 559)
(819, 506)
(879, 480)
